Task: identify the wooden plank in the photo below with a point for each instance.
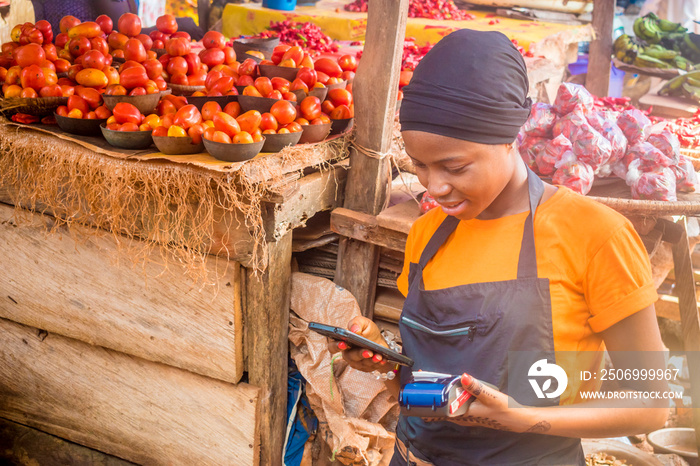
(399, 217)
(315, 193)
(598, 77)
(690, 321)
(85, 287)
(24, 445)
(667, 307)
(364, 227)
(142, 411)
(266, 327)
(667, 106)
(375, 101)
(389, 305)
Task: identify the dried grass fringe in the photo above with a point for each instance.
(170, 210)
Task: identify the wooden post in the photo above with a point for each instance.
(690, 321)
(368, 180)
(203, 14)
(598, 77)
(267, 327)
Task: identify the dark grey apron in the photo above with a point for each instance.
(472, 328)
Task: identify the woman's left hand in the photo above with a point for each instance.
(492, 409)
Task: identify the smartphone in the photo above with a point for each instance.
(357, 341)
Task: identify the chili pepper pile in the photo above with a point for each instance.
(306, 35)
(687, 130)
(431, 9)
(617, 104)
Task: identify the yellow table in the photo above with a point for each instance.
(251, 18)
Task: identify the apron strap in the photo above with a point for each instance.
(527, 262)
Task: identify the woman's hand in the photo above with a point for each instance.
(358, 358)
(493, 409)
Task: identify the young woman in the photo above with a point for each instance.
(508, 271)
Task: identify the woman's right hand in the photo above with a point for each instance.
(359, 358)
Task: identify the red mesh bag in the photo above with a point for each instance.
(666, 142)
(541, 121)
(530, 148)
(569, 96)
(686, 178)
(554, 152)
(635, 125)
(591, 147)
(569, 124)
(651, 183)
(576, 176)
(606, 124)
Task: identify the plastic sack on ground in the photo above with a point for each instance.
(530, 147)
(554, 151)
(541, 120)
(635, 125)
(590, 147)
(686, 178)
(657, 183)
(667, 142)
(357, 415)
(570, 95)
(575, 175)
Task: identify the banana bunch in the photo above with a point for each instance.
(650, 28)
(686, 85)
(626, 49)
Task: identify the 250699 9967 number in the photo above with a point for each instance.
(639, 374)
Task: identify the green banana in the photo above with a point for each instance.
(693, 82)
(645, 61)
(689, 42)
(670, 26)
(691, 92)
(682, 63)
(659, 52)
(637, 27)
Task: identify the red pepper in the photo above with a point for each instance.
(24, 118)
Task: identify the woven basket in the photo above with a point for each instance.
(179, 89)
(694, 156)
(38, 106)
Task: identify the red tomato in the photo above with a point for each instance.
(79, 46)
(105, 23)
(51, 91)
(178, 100)
(250, 121)
(322, 77)
(160, 82)
(247, 68)
(233, 109)
(405, 78)
(212, 57)
(295, 54)
(311, 107)
(91, 96)
(187, 116)
(116, 40)
(103, 112)
(182, 35)
(112, 75)
(153, 68)
(245, 80)
(78, 102)
(46, 31)
(208, 133)
(328, 66)
(177, 47)
(61, 40)
(308, 76)
(340, 97)
(195, 132)
(177, 65)
(280, 84)
(226, 123)
(30, 54)
(327, 107)
(290, 96)
(251, 91)
(100, 44)
(180, 79)
(230, 55)
(166, 24)
(214, 40)
(133, 77)
(340, 112)
(160, 131)
(220, 136)
(284, 112)
(94, 59)
(294, 127)
(268, 122)
(222, 85)
(348, 63)
(209, 109)
(146, 41)
(124, 112)
(278, 52)
(62, 110)
(33, 76)
(263, 85)
(277, 95)
(88, 29)
(115, 89)
(193, 63)
(129, 126)
(298, 84)
(138, 91)
(158, 44)
(134, 50)
(198, 78)
(158, 35)
(165, 107)
(50, 52)
(129, 24)
(68, 22)
(91, 77)
(243, 138)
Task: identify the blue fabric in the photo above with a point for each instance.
(301, 420)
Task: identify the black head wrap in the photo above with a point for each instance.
(472, 85)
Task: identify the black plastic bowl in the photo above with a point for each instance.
(79, 126)
(261, 104)
(127, 139)
(314, 133)
(170, 145)
(277, 142)
(274, 71)
(341, 126)
(233, 152)
(266, 46)
(222, 100)
(145, 103)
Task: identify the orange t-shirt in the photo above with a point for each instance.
(597, 266)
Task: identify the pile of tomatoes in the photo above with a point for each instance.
(85, 104)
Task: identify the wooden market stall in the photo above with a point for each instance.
(145, 301)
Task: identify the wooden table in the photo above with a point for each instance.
(109, 350)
